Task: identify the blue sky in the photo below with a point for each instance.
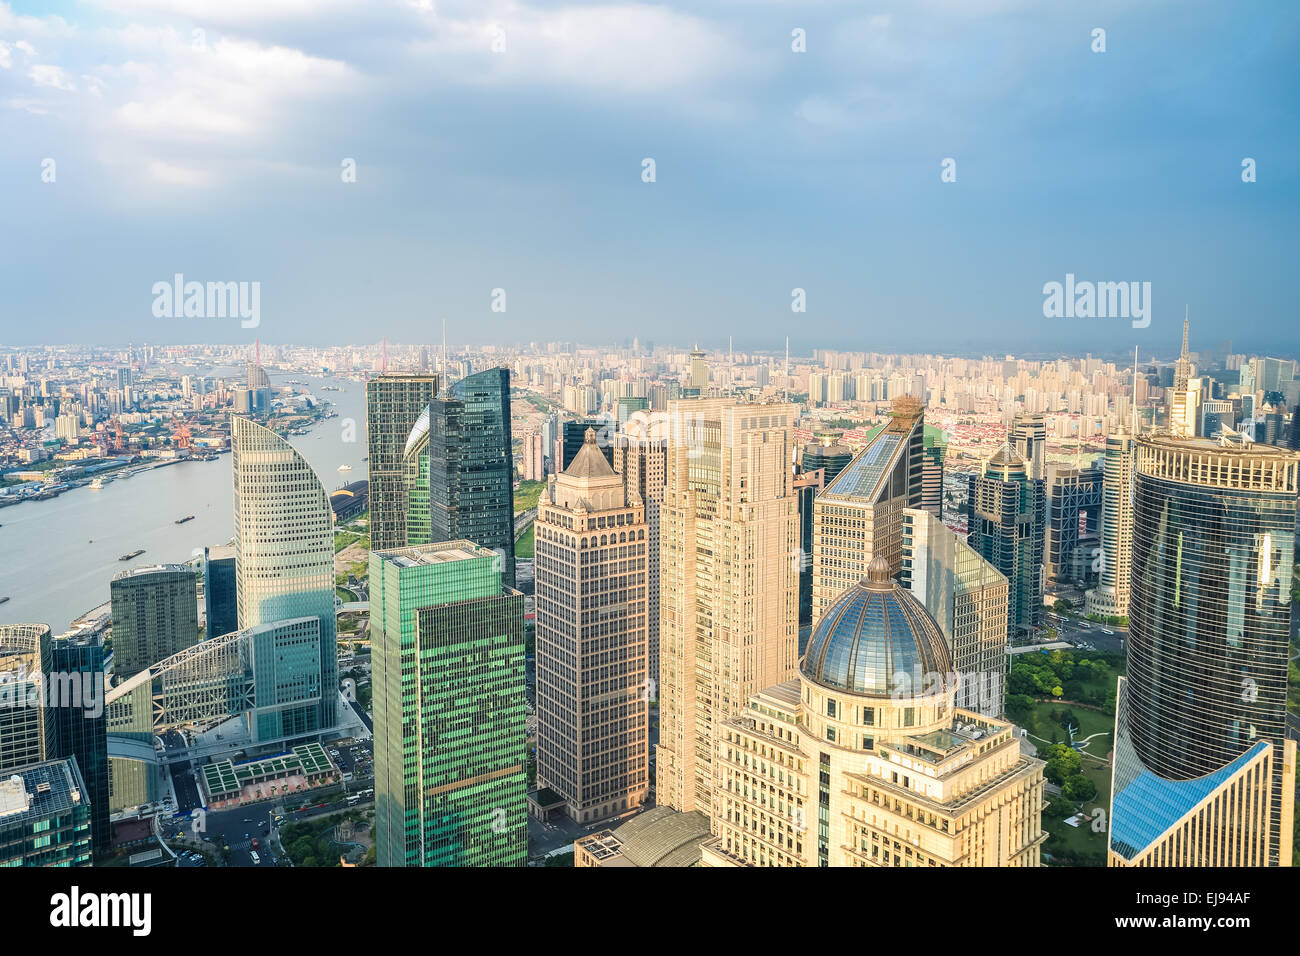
(521, 170)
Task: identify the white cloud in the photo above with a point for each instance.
(173, 175)
(46, 74)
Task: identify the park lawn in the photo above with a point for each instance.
(1090, 722)
(524, 546)
(527, 494)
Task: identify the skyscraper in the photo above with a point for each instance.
(641, 460)
(1029, 438)
(1074, 506)
(80, 725)
(394, 402)
(1008, 530)
(1204, 774)
(1185, 398)
(573, 434)
(221, 607)
(1111, 596)
(472, 466)
(449, 712)
(860, 514)
(867, 760)
(729, 592)
(699, 371)
(45, 818)
(967, 597)
(593, 693)
(25, 734)
(155, 614)
(284, 545)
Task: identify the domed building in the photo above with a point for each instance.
(865, 760)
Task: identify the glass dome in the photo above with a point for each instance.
(877, 639)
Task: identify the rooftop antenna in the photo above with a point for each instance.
(383, 366)
(787, 368)
(257, 352)
(1135, 390)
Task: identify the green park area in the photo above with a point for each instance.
(1065, 701)
(524, 546)
(526, 495)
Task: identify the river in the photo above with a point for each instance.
(58, 556)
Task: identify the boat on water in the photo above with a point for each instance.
(134, 554)
(345, 467)
(185, 519)
(97, 484)
(3, 599)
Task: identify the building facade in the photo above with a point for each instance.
(45, 816)
(155, 614)
(1109, 599)
(394, 402)
(284, 546)
(865, 760)
(25, 734)
(1204, 773)
(593, 690)
(449, 712)
(80, 722)
(1008, 530)
(729, 583)
(472, 466)
(642, 462)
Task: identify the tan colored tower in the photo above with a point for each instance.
(729, 589)
(641, 459)
(592, 691)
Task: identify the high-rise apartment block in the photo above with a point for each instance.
(1109, 599)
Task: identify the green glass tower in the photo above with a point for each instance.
(394, 401)
(449, 720)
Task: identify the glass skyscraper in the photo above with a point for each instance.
(1204, 774)
(471, 466)
(155, 615)
(1009, 529)
(80, 723)
(449, 716)
(221, 609)
(284, 545)
(24, 662)
(44, 816)
(394, 402)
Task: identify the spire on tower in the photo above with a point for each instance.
(384, 362)
(1183, 370)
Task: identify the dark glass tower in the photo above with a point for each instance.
(471, 466)
(219, 600)
(1008, 530)
(80, 723)
(1214, 541)
(394, 402)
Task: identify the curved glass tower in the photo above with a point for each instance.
(1204, 703)
(284, 545)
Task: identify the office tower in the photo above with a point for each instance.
(284, 545)
(826, 453)
(417, 467)
(1216, 414)
(1110, 598)
(449, 720)
(394, 403)
(729, 598)
(574, 434)
(641, 459)
(807, 486)
(1074, 505)
(221, 608)
(284, 659)
(968, 598)
(593, 694)
(932, 476)
(860, 514)
(25, 734)
(155, 614)
(630, 405)
(1008, 531)
(471, 477)
(259, 389)
(534, 468)
(45, 818)
(866, 760)
(80, 728)
(1270, 425)
(1294, 441)
(699, 371)
(1029, 439)
(1204, 773)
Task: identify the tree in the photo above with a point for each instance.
(1079, 788)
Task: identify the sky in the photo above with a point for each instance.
(502, 145)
